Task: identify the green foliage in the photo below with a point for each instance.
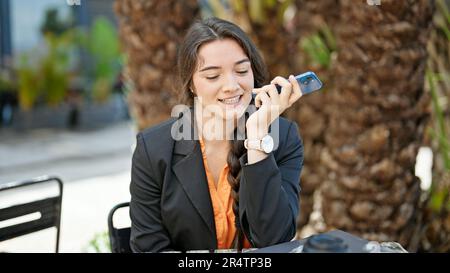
(439, 196)
(440, 133)
(99, 244)
(46, 78)
(257, 9)
(28, 87)
(445, 19)
(438, 81)
(103, 45)
(440, 200)
(55, 68)
(238, 5)
(319, 47)
(44, 72)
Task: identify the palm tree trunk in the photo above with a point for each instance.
(377, 115)
(150, 31)
(310, 18)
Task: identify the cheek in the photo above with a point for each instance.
(206, 90)
(248, 83)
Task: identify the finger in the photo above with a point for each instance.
(285, 84)
(273, 93)
(287, 91)
(261, 89)
(265, 99)
(294, 97)
(295, 86)
(257, 101)
(281, 82)
(257, 90)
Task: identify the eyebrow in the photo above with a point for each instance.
(218, 67)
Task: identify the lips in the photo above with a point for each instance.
(232, 100)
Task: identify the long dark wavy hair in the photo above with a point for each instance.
(206, 31)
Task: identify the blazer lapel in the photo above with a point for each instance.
(189, 170)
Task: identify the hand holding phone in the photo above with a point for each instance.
(309, 82)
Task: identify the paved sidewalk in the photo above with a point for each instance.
(43, 147)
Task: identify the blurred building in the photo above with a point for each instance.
(5, 32)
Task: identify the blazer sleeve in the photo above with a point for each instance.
(269, 193)
(147, 231)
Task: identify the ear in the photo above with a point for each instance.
(192, 88)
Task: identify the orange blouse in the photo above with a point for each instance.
(222, 203)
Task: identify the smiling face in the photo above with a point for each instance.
(223, 79)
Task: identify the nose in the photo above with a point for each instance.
(231, 84)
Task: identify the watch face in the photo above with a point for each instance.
(267, 144)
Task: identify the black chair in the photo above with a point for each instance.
(119, 238)
(49, 209)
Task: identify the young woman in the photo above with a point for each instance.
(216, 190)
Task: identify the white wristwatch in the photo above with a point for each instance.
(265, 144)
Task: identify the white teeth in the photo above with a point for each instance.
(231, 101)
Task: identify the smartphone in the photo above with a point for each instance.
(309, 82)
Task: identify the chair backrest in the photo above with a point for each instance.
(119, 238)
(49, 209)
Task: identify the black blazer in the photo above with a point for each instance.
(170, 205)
